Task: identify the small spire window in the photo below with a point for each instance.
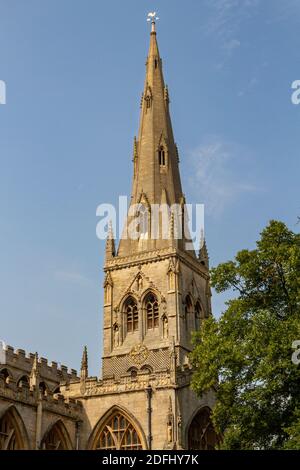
(148, 97)
(162, 156)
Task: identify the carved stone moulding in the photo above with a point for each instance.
(139, 354)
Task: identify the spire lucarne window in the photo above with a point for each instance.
(161, 156)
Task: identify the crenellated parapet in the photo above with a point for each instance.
(17, 363)
(56, 403)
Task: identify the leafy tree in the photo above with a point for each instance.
(293, 443)
(245, 355)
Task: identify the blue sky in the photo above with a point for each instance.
(74, 73)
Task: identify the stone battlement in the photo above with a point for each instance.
(57, 403)
(19, 359)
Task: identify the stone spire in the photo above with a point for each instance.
(156, 170)
(155, 132)
(84, 370)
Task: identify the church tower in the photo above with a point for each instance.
(156, 292)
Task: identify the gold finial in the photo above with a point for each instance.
(153, 18)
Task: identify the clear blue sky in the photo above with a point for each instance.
(74, 72)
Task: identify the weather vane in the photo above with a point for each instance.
(152, 17)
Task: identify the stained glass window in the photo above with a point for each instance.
(118, 433)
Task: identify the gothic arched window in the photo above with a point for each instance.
(152, 311)
(23, 381)
(198, 315)
(43, 388)
(132, 315)
(202, 435)
(118, 433)
(188, 306)
(56, 438)
(10, 432)
(5, 375)
(187, 311)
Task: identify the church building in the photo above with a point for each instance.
(156, 293)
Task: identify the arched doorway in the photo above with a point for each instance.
(201, 434)
(116, 431)
(56, 438)
(12, 431)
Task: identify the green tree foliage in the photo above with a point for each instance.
(245, 355)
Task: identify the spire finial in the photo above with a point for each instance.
(202, 239)
(153, 18)
(110, 242)
(203, 253)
